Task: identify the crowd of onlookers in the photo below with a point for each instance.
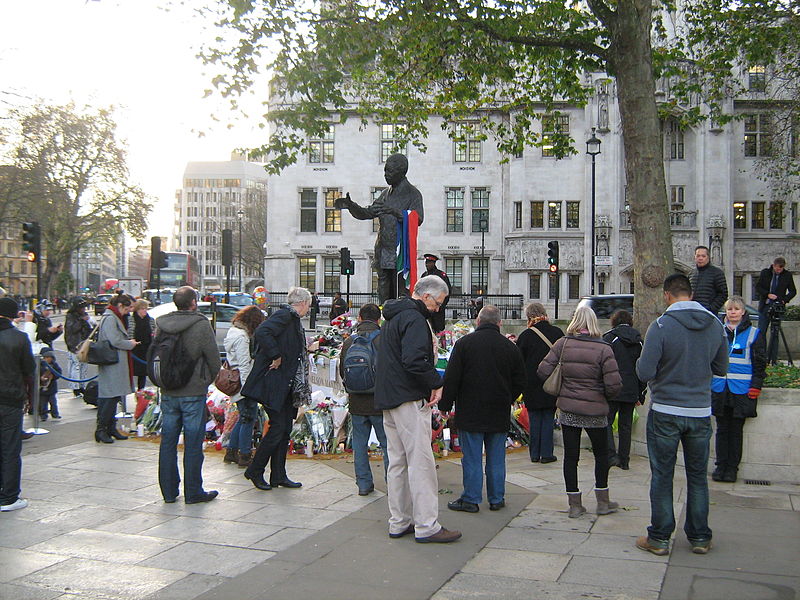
(688, 367)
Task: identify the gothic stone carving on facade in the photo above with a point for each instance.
(525, 255)
(750, 256)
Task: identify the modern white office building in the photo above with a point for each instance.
(214, 197)
(490, 221)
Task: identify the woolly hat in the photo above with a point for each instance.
(9, 308)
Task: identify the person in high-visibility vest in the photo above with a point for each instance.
(734, 396)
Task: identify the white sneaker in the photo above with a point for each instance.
(19, 504)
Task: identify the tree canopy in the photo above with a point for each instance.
(403, 61)
(70, 175)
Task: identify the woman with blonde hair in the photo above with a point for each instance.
(589, 378)
(735, 396)
(142, 328)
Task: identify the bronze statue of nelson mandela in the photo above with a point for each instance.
(388, 208)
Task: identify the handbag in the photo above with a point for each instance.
(96, 352)
(552, 385)
(228, 380)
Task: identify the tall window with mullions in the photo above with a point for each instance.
(331, 274)
(480, 209)
(308, 272)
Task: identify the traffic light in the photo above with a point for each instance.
(32, 241)
(346, 263)
(227, 247)
(158, 259)
(552, 256)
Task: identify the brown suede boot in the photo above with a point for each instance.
(245, 459)
(604, 505)
(576, 508)
(231, 456)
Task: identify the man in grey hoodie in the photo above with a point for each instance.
(683, 348)
(184, 408)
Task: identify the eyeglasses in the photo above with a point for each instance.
(438, 304)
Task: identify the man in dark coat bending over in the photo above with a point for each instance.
(400, 196)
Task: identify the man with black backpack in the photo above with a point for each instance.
(357, 367)
(183, 360)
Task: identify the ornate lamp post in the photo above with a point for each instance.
(593, 149)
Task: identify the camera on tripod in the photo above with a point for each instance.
(776, 311)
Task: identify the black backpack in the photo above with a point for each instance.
(360, 362)
(169, 365)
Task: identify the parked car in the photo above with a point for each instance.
(604, 306)
(225, 314)
(239, 299)
(100, 303)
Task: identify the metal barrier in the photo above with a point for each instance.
(460, 306)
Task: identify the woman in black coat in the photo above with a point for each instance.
(627, 345)
(541, 407)
(279, 369)
(141, 328)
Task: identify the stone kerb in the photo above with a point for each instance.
(771, 441)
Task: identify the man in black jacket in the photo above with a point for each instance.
(407, 385)
(16, 372)
(484, 375)
(46, 332)
(708, 282)
(775, 285)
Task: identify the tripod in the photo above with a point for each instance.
(774, 326)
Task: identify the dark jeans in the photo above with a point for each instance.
(141, 381)
(541, 423)
(242, 432)
(10, 453)
(186, 413)
(48, 404)
(472, 445)
(362, 426)
(729, 441)
(624, 425)
(274, 445)
(572, 451)
(106, 413)
(664, 432)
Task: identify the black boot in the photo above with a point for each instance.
(231, 456)
(718, 473)
(101, 435)
(114, 432)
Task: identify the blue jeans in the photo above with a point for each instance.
(10, 453)
(664, 432)
(541, 420)
(472, 444)
(242, 432)
(187, 413)
(362, 425)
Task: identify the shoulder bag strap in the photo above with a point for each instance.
(541, 335)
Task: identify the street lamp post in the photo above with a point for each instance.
(593, 149)
(484, 225)
(240, 214)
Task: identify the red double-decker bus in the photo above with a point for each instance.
(182, 269)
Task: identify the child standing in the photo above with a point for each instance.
(48, 385)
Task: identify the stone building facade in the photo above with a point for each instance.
(715, 199)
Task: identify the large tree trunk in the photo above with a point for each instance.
(630, 55)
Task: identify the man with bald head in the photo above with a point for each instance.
(399, 197)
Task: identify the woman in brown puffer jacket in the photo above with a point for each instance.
(589, 378)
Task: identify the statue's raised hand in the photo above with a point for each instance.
(344, 202)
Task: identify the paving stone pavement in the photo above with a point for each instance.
(97, 529)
